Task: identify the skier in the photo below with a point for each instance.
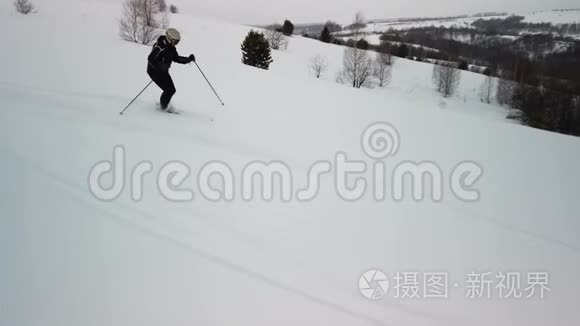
(160, 59)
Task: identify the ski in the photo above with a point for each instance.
(170, 110)
(178, 112)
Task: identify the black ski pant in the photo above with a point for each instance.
(164, 81)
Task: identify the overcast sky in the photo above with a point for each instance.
(300, 11)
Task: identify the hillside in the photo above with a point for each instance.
(375, 28)
(69, 258)
(554, 17)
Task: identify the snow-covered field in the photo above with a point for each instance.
(68, 258)
(403, 25)
(555, 17)
(374, 30)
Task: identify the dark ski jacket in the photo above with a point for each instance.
(163, 54)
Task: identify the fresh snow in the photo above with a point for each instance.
(555, 17)
(70, 259)
(374, 30)
(436, 22)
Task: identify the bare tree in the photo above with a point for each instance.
(164, 22)
(385, 50)
(359, 22)
(446, 79)
(129, 26)
(142, 21)
(505, 91)
(487, 89)
(24, 7)
(382, 69)
(162, 5)
(150, 12)
(276, 39)
(357, 68)
(318, 65)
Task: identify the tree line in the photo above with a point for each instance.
(540, 73)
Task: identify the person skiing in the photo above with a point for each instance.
(159, 62)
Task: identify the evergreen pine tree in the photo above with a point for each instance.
(325, 36)
(403, 51)
(256, 51)
(287, 28)
(362, 44)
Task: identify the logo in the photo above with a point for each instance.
(374, 284)
(353, 179)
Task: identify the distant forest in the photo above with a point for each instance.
(538, 63)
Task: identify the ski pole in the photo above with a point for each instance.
(128, 105)
(216, 94)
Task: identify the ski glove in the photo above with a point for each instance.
(192, 58)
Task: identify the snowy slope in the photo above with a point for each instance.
(436, 22)
(70, 259)
(555, 17)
